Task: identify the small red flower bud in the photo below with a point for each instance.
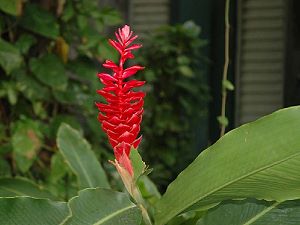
(122, 114)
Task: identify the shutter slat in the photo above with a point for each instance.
(148, 15)
(261, 52)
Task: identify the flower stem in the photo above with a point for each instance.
(136, 194)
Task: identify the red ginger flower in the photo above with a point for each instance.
(122, 115)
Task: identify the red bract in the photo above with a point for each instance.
(122, 114)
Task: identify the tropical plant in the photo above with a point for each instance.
(250, 176)
(49, 54)
(177, 97)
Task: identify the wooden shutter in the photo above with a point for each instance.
(260, 70)
(147, 15)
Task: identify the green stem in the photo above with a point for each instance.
(136, 194)
(226, 64)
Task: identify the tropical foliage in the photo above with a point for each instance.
(51, 174)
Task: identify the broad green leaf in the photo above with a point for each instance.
(10, 57)
(257, 160)
(80, 157)
(31, 211)
(12, 7)
(26, 142)
(40, 21)
(49, 69)
(12, 187)
(253, 212)
(101, 206)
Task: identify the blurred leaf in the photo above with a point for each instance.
(192, 28)
(68, 12)
(2, 132)
(40, 21)
(223, 120)
(111, 16)
(31, 88)
(10, 57)
(26, 142)
(149, 75)
(12, 7)
(12, 187)
(28, 210)
(183, 60)
(39, 109)
(80, 157)
(11, 92)
(59, 168)
(5, 148)
(60, 7)
(186, 71)
(228, 85)
(61, 118)
(4, 168)
(105, 51)
(25, 42)
(66, 97)
(62, 49)
(50, 70)
(82, 22)
(102, 206)
(84, 69)
(254, 212)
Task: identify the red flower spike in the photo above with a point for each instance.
(122, 114)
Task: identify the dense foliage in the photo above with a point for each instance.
(50, 52)
(177, 96)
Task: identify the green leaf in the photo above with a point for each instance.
(27, 210)
(80, 157)
(40, 21)
(62, 118)
(11, 7)
(223, 120)
(228, 85)
(253, 212)
(26, 142)
(58, 168)
(12, 187)
(50, 70)
(10, 57)
(257, 160)
(30, 87)
(4, 167)
(25, 42)
(138, 164)
(186, 71)
(105, 51)
(101, 206)
(148, 189)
